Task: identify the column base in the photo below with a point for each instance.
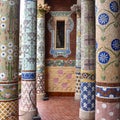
(77, 96)
(86, 115)
(25, 115)
(40, 96)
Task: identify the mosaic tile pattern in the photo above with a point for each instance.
(8, 92)
(107, 111)
(28, 75)
(108, 46)
(8, 108)
(78, 55)
(28, 84)
(78, 42)
(40, 43)
(28, 94)
(108, 92)
(107, 60)
(29, 36)
(87, 59)
(87, 96)
(61, 79)
(9, 42)
(40, 86)
(77, 86)
(51, 62)
(87, 75)
(40, 67)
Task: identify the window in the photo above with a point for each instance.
(60, 25)
(60, 34)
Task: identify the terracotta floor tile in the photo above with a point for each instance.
(59, 108)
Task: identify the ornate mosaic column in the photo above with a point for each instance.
(78, 56)
(76, 8)
(28, 83)
(40, 67)
(87, 103)
(108, 60)
(9, 42)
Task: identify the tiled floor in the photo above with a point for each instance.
(59, 108)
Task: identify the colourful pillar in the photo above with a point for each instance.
(28, 83)
(78, 54)
(40, 66)
(77, 9)
(107, 60)
(87, 103)
(9, 43)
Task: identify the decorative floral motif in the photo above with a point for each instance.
(3, 47)
(10, 44)
(87, 96)
(15, 54)
(62, 80)
(60, 72)
(103, 57)
(3, 54)
(2, 75)
(3, 19)
(103, 19)
(69, 76)
(10, 51)
(115, 44)
(11, 2)
(3, 25)
(43, 8)
(8, 91)
(60, 63)
(88, 76)
(76, 8)
(10, 57)
(114, 6)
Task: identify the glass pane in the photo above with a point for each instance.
(60, 33)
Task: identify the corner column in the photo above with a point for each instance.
(107, 60)
(28, 83)
(87, 103)
(9, 44)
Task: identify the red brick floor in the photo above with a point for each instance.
(59, 108)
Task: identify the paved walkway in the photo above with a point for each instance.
(59, 108)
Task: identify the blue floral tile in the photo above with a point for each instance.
(114, 6)
(28, 75)
(103, 57)
(87, 96)
(115, 44)
(103, 19)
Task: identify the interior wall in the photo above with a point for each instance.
(60, 71)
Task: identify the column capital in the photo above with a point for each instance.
(42, 9)
(76, 8)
